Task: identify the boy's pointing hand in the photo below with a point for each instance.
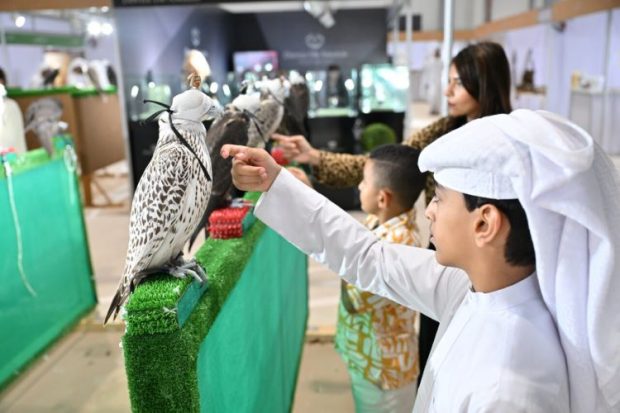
(253, 169)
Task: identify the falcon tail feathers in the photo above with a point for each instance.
(119, 299)
(115, 306)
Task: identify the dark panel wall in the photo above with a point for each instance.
(358, 37)
(155, 38)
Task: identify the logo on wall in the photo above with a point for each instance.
(315, 41)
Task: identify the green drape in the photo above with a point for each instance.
(56, 262)
(249, 360)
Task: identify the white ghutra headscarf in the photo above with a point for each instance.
(570, 191)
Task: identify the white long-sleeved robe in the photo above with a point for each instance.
(494, 352)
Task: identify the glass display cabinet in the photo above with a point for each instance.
(383, 87)
(333, 92)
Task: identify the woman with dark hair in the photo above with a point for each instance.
(478, 85)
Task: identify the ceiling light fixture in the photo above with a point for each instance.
(94, 28)
(107, 29)
(20, 20)
(322, 11)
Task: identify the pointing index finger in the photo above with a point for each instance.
(231, 150)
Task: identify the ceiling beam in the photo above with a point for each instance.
(560, 11)
(14, 5)
(567, 9)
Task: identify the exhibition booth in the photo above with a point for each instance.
(80, 86)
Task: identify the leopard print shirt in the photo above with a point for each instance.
(343, 169)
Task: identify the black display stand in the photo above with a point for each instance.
(395, 120)
(142, 140)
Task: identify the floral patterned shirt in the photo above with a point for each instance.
(376, 337)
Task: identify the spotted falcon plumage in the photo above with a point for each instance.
(265, 105)
(170, 198)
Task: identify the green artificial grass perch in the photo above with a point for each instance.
(168, 318)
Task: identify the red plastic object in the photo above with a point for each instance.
(278, 155)
(227, 222)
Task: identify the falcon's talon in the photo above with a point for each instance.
(181, 269)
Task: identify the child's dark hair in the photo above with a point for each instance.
(396, 168)
(519, 246)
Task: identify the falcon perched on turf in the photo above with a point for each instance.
(264, 103)
(43, 118)
(296, 105)
(171, 196)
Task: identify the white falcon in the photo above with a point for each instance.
(171, 197)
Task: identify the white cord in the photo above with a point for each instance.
(18, 232)
(70, 159)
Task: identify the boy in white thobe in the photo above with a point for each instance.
(502, 344)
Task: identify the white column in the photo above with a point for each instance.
(120, 91)
(5, 51)
(408, 43)
(606, 141)
(446, 54)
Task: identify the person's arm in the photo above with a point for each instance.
(407, 275)
(339, 169)
(428, 134)
(342, 169)
(328, 168)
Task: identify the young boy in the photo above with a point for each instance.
(377, 337)
(526, 222)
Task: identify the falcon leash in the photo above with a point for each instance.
(176, 132)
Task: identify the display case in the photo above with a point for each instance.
(383, 87)
(333, 92)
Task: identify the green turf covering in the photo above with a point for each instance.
(152, 308)
(72, 90)
(161, 352)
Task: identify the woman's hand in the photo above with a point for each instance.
(253, 169)
(296, 148)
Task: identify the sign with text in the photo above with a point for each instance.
(136, 3)
(357, 37)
